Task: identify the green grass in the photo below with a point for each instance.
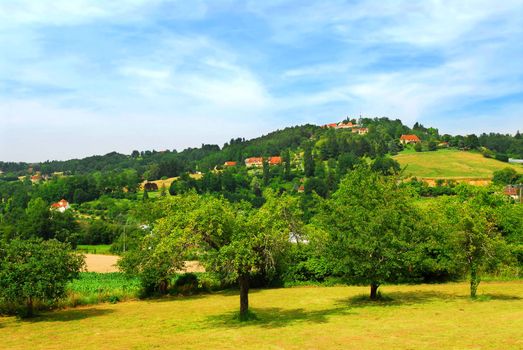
(93, 288)
(450, 163)
(439, 316)
(94, 249)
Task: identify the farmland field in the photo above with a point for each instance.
(93, 288)
(450, 163)
(416, 317)
(95, 249)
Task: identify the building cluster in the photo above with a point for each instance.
(355, 128)
(257, 162)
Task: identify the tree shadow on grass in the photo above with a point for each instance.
(416, 297)
(181, 297)
(274, 317)
(502, 297)
(68, 315)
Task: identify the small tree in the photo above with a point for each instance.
(477, 242)
(155, 262)
(418, 147)
(308, 161)
(36, 270)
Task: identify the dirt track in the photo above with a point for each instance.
(101, 263)
(107, 263)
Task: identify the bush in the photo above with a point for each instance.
(186, 284)
(36, 272)
(502, 157)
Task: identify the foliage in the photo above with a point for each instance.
(370, 229)
(36, 271)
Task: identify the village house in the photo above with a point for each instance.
(342, 125)
(61, 205)
(257, 162)
(360, 131)
(408, 139)
(513, 191)
(254, 162)
(275, 160)
(229, 164)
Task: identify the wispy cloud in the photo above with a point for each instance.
(205, 71)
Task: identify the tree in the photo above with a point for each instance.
(432, 146)
(505, 176)
(163, 191)
(155, 262)
(418, 147)
(308, 161)
(370, 229)
(286, 158)
(37, 219)
(477, 241)
(235, 240)
(386, 166)
(266, 172)
(36, 270)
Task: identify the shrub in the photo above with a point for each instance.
(186, 284)
(36, 272)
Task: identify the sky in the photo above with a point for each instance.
(85, 77)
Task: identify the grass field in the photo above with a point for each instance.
(450, 163)
(94, 249)
(417, 317)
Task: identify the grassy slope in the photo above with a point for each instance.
(450, 164)
(419, 317)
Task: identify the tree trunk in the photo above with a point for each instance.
(243, 280)
(474, 280)
(30, 307)
(374, 291)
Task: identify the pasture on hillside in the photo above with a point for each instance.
(450, 163)
(439, 316)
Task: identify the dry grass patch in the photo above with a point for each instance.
(415, 317)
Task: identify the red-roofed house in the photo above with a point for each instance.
(341, 125)
(254, 162)
(274, 160)
(229, 163)
(61, 205)
(331, 125)
(406, 139)
(513, 192)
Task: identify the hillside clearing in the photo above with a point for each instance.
(451, 164)
(418, 317)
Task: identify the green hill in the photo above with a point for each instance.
(450, 163)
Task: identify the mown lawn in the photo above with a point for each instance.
(416, 317)
(451, 163)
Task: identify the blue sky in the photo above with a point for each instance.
(84, 77)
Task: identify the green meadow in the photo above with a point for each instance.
(439, 316)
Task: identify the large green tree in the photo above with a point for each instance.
(235, 240)
(370, 228)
